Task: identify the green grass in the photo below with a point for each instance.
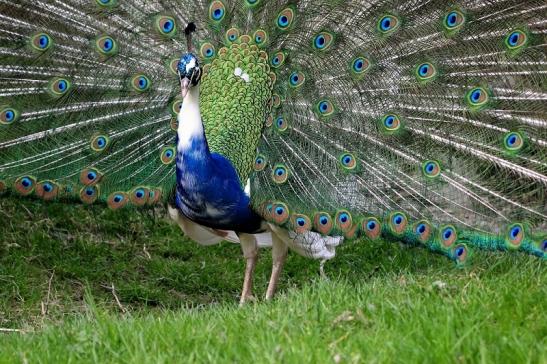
(382, 303)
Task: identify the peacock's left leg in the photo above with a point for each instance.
(279, 254)
(250, 253)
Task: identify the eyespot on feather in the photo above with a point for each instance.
(322, 222)
(296, 79)
(513, 142)
(278, 59)
(41, 42)
(344, 220)
(372, 227)
(25, 185)
(453, 21)
(140, 82)
(154, 196)
(207, 51)
(391, 123)
(397, 222)
(477, 98)
(324, 108)
(232, 35)
(515, 235)
(323, 41)
(260, 37)
(422, 230)
(8, 115)
(167, 155)
(280, 174)
(139, 195)
(217, 11)
(280, 213)
(47, 190)
(99, 142)
(58, 86)
(106, 45)
(89, 194)
(117, 200)
(90, 176)
(516, 40)
(166, 26)
(448, 235)
(281, 124)
(260, 163)
(425, 72)
(107, 3)
(431, 169)
(388, 24)
(359, 66)
(348, 161)
(285, 19)
(300, 223)
(460, 254)
(176, 106)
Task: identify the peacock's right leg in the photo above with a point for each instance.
(279, 254)
(250, 253)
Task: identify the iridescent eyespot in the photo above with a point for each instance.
(516, 39)
(167, 155)
(278, 59)
(513, 141)
(300, 223)
(477, 97)
(388, 24)
(139, 195)
(296, 79)
(154, 196)
(260, 163)
(280, 174)
(280, 213)
(8, 115)
(281, 124)
(260, 37)
(58, 86)
(217, 11)
(397, 222)
(324, 108)
(41, 42)
(425, 72)
(106, 45)
(99, 142)
(453, 20)
(207, 50)
(176, 106)
(344, 220)
(107, 3)
(515, 235)
(90, 176)
(232, 34)
(140, 82)
(172, 65)
(117, 200)
(89, 194)
(422, 229)
(543, 245)
(460, 253)
(448, 235)
(269, 120)
(47, 190)
(391, 123)
(323, 41)
(322, 222)
(285, 18)
(166, 25)
(360, 65)
(348, 161)
(372, 228)
(252, 3)
(25, 185)
(431, 169)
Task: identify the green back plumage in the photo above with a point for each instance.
(420, 121)
(229, 96)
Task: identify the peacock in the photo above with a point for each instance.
(285, 124)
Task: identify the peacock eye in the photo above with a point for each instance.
(388, 24)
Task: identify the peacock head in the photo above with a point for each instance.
(189, 72)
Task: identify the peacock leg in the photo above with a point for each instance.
(250, 253)
(279, 254)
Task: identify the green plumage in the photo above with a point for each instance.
(423, 122)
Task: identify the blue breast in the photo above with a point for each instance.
(209, 191)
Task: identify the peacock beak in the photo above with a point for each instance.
(184, 85)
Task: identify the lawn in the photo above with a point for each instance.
(83, 284)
